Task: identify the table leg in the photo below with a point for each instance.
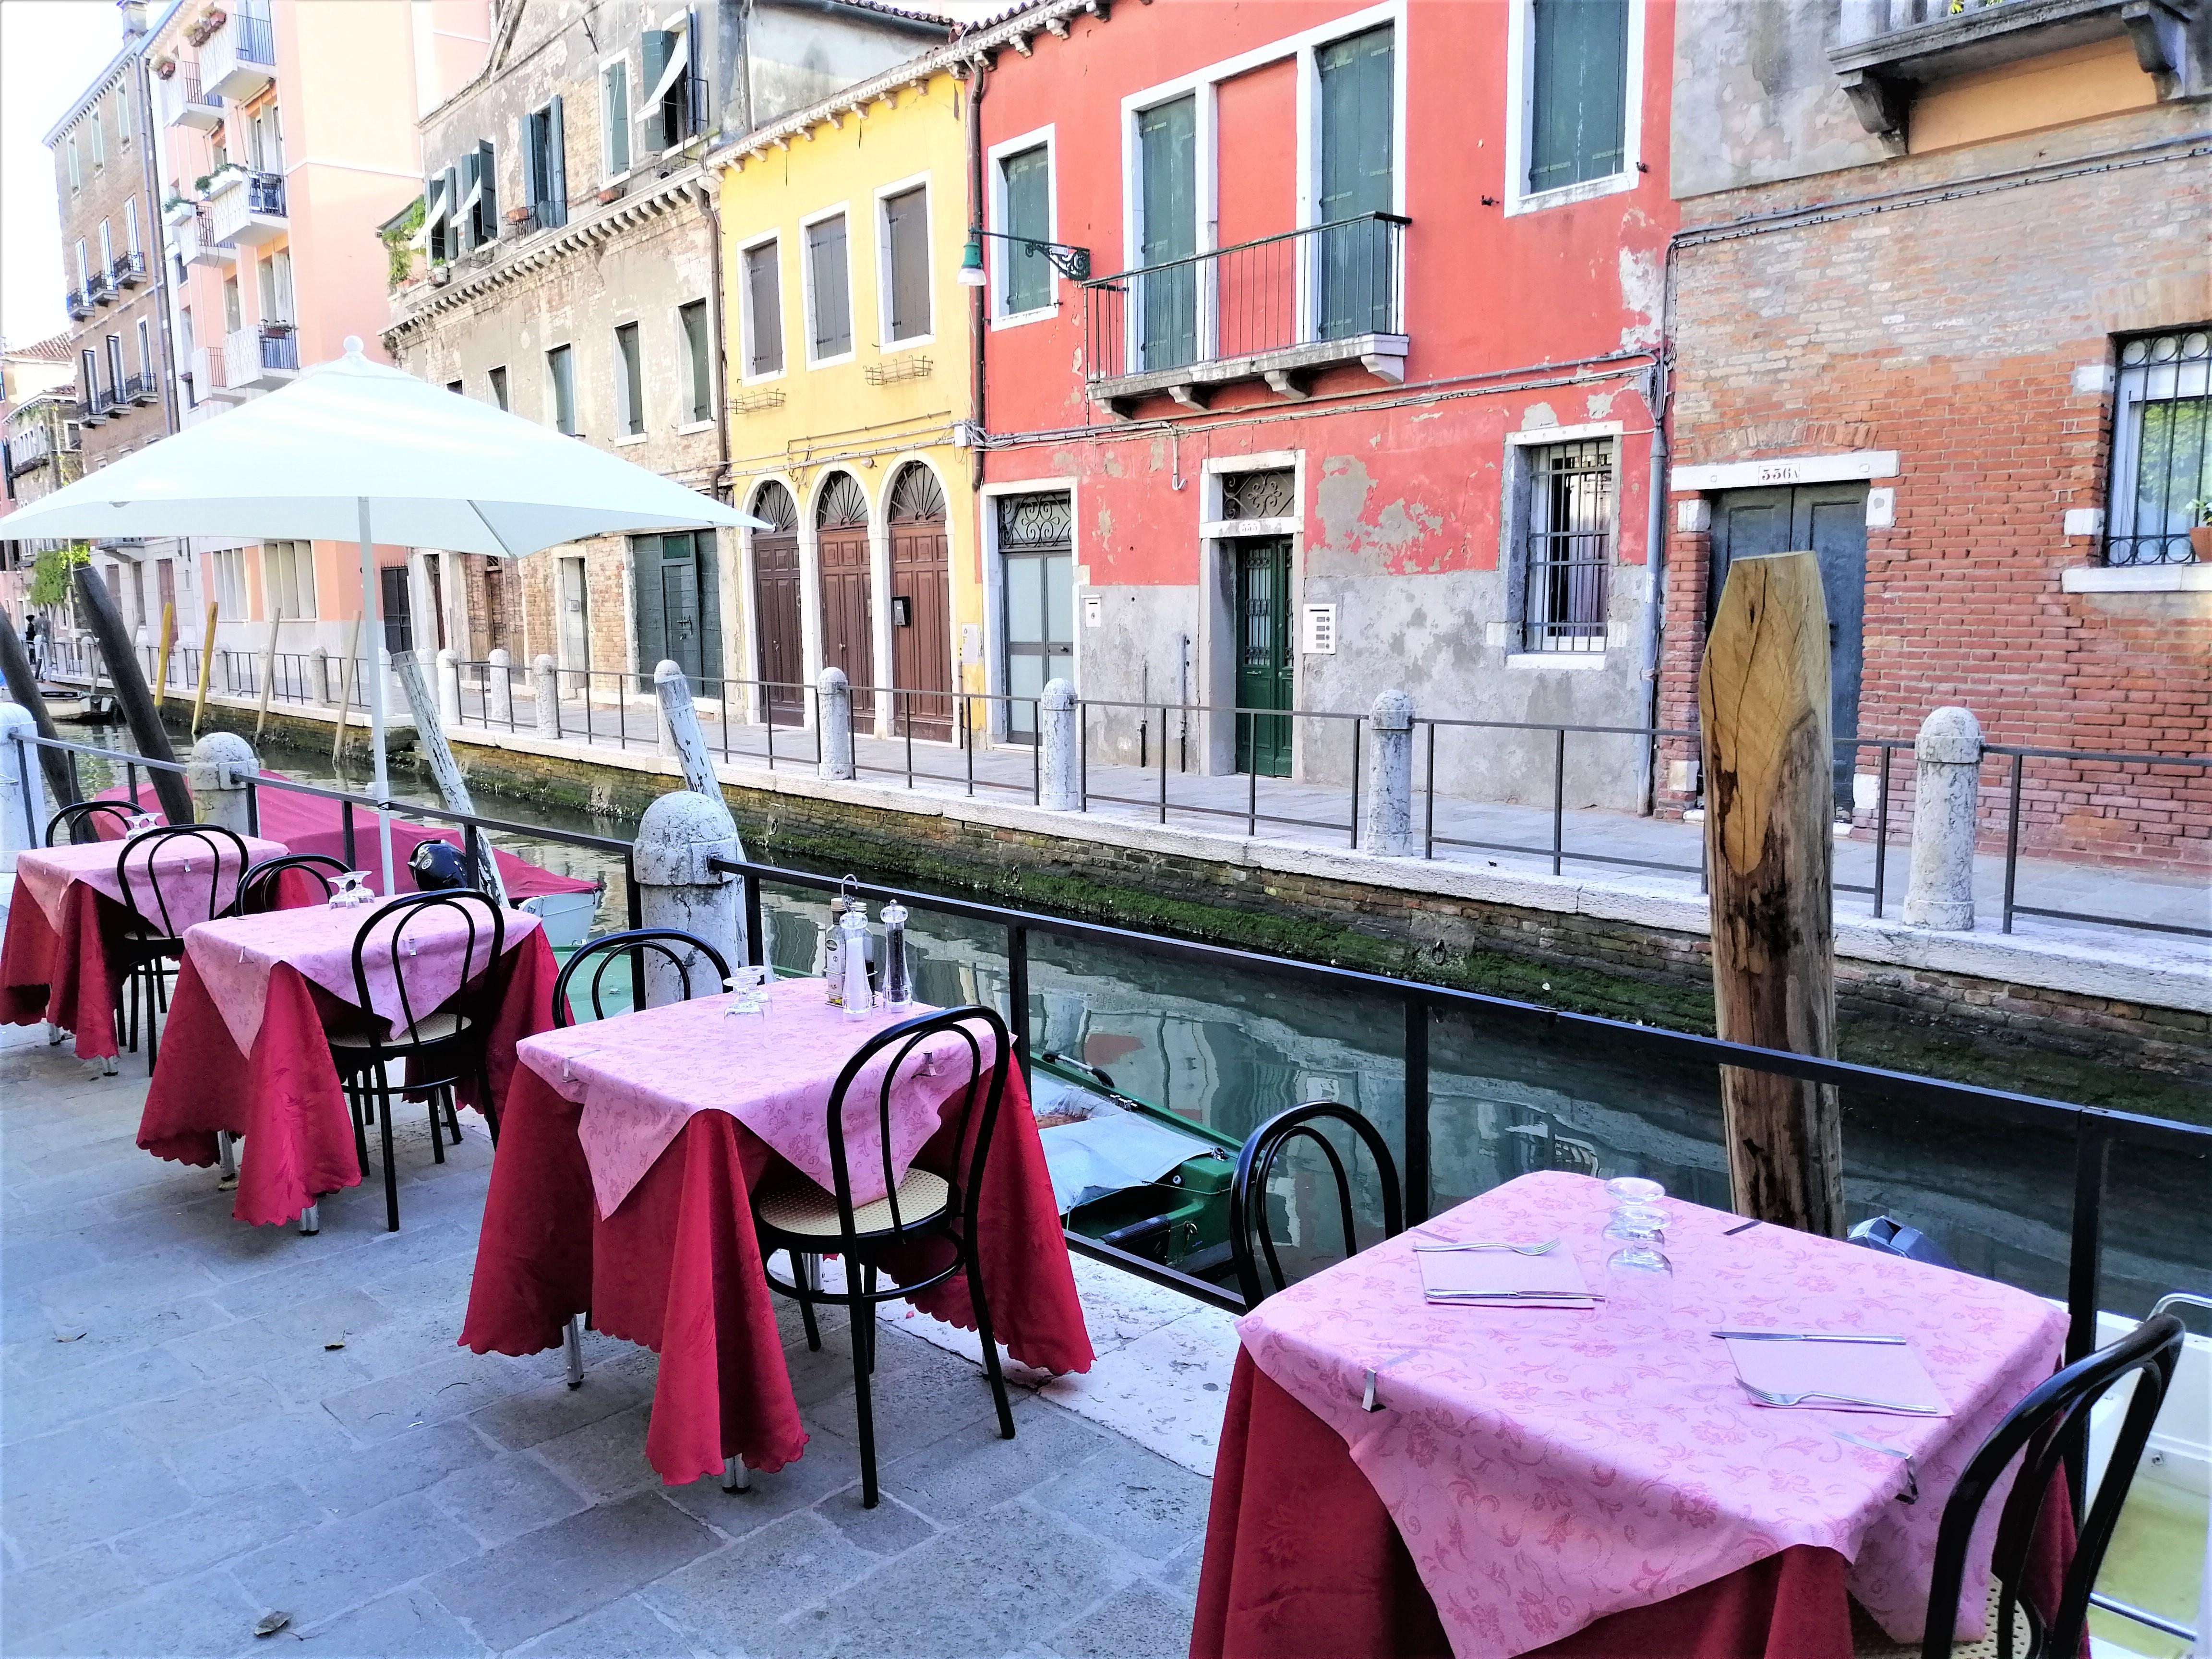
(226, 1146)
(572, 1343)
(736, 1477)
(311, 1220)
(54, 1034)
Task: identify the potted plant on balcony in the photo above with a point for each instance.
(226, 175)
(2200, 530)
(520, 217)
(165, 66)
(176, 209)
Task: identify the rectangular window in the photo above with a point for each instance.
(763, 311)
(99, 140)
(483, 222)
(498, 378)
(233, 312)
(229, 570)
(2161, 449)
(115, 366)
(123, 122)
(561, 371)
(437, 221)
(76, 170)
(106, 249)
(88, 359)
(630, 382)
(1025, 186)
(1167, 293)
(828, 291)
(614, 118)
(699, 358)
(1578, 91)
(288, 579)
(1568, 545)
(672, 110)
(130, 224)
(906, 264)
(457, 387)
(146, 350)
(83, 269)
(544, 165)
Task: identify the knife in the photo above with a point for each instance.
(1513, 1296)
(1811, 1336)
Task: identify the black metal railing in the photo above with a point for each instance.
(254, 40)
(264, 193)
(128, 271)
(279, 345)
(2085, 1138)
(79, 303)
(1341, 281)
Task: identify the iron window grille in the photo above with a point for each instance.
(2161, 460)
(1569, 546)
(1268, 495)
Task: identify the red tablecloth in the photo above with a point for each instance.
(65, 976)
(677, 1269)
(1304, 1562)
(284, 1097)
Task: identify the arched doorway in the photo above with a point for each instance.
(841, 545)
(782, 649)
(921, 605)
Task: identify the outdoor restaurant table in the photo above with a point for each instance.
(1557, 1481)
(245, 1050)
(627, 1152)
(59, 961)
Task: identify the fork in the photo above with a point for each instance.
(1544, 1249)
(1769, 1397)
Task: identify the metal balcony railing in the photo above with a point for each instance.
(140, 388)
(128, 271)
(79, 303)
(102, 290)
(1274, 298)
(186, 103)
(246, 207)
(240, 58)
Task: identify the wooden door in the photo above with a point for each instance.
(841, 543)
(1264, 662)
(781, 647)
(921, 606)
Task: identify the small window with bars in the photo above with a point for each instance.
(1567, 546)
(1270, 494)
(2162, 461)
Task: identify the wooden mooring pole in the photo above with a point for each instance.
(1763, 716)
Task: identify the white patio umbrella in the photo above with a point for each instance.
(354, 451)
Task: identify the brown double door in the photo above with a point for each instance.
(922, 614)
(776, 598)
(842, 552)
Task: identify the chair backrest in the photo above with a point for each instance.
(80, 821)
(984, 1052)
(1255, 1167)
(2049, 1428)
(384, 932)
(156, 859)
(682, 950)
(263, 888)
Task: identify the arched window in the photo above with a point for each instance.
(773, 502)
(917, 496)
(844, 505)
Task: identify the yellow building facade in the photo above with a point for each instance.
(848, 346)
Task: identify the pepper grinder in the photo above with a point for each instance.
(859, 998)
(896, 976)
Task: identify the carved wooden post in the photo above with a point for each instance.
(1763, 709)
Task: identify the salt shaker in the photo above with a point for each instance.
(896, 977)
(858, 998)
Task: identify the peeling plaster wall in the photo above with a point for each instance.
(1751, 79)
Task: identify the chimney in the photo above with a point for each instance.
(134, 17)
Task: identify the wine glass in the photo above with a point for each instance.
(1638, 1225)
(748, 992)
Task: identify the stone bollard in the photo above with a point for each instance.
(545, 692)
(836, 716)
(449, 690)
(680, 730)
(499, 688)
(1947, 763)
(1059, 787)
(676, 836)
(1390, 778)
(217, 773)
(23, 786)
(318, 664)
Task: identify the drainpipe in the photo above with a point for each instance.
(155, 238)
(978, 312)
(710, 195)
(1655, 586)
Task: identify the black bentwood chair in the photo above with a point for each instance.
(792, 1213)
(2049, 1428)
(263, 890)
(1256, 1166)
(438, 1047)
(80, 822)
(683, 951)
(167, 863)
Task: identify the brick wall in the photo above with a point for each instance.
(1950, 331)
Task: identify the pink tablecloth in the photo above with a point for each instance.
(181, 864)
(234, 957)
(1547, 1468)
(638, 1077)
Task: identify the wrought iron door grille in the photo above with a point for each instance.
(2162, 461)
(1269, 494)
(1569, 546)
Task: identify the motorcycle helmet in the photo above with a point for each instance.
(438, 866)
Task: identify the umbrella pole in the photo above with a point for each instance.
(380, 779)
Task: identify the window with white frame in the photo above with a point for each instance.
(274, 278)
(228, 568)
(2161, 449)
(146, 350)
(1025, 210)
(905, 233)
(438, 240)
(560, 385)
(1577, 97)
(288, 579)
(98, 139)
(698, 359)
(477, 207)
(106, 249)
(763, 314)
(829, 290)
(545, 166)
(234, 312)
(614, 118)
(123, 113)
(75, 167)
(130, 224)
(1565, 514)
(674, 109)
(630, 382)
(83, 270)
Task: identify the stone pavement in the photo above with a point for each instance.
(183, 1450)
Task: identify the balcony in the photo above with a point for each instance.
(80, 304)
(102, 291)
(1280, 309)
(128, 271)
(1886, 48)
(245, 209)
(239, 60)
(261, 357)
(208, 375)
(141, 389)
(186, 103)
(104, 407)
(195, 247)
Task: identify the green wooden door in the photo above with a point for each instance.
(1264, 664)
(1357, 127)
(678, 608)
(1167, 301)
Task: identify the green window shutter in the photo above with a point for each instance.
(556, 164)
(906, 228)
(487, 170)
(528, 152)
(1357, 125)
(614, 115)
(645, 557)
(764, 299)
(1027, 181)
(833, 308)
(1579, 92)
(710, 608)
(1167, 301)
(659, 47)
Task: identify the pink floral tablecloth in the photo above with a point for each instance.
(638, 1077)
(1548, 1467)
(234, 957)
(182, 863)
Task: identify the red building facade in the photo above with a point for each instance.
(1358, 396)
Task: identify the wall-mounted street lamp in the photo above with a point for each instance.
(1072, 263)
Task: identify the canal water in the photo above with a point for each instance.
(1509, 1095)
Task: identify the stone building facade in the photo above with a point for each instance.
(1940, 310)
(564, 263)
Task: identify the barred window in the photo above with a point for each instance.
(1271, 494)
(2161, 462)
(1568, 546)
